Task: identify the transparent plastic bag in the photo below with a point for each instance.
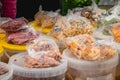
(21, 37)
(97, 13)
(71, 25)
(100, 35)
(77, 44)
(104, 31)
(76, 11)
(14, 25)
(111, 19)
(46, 19)
(42, 45)
(87, 48)
(43, 51)
(42, 61)
(114, 12)
(100, 50)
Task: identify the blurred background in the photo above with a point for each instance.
(28, 8)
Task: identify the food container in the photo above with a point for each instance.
(7, 75)
(23, 73)
(8, 53)
(118, 67)
(90, 70)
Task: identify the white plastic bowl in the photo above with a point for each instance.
(91, 70)
(17, 62)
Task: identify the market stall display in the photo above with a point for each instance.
(43, 61)
(93, 13)
(86, 39)
(97, 13)
(6, 71)
(46, 19)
